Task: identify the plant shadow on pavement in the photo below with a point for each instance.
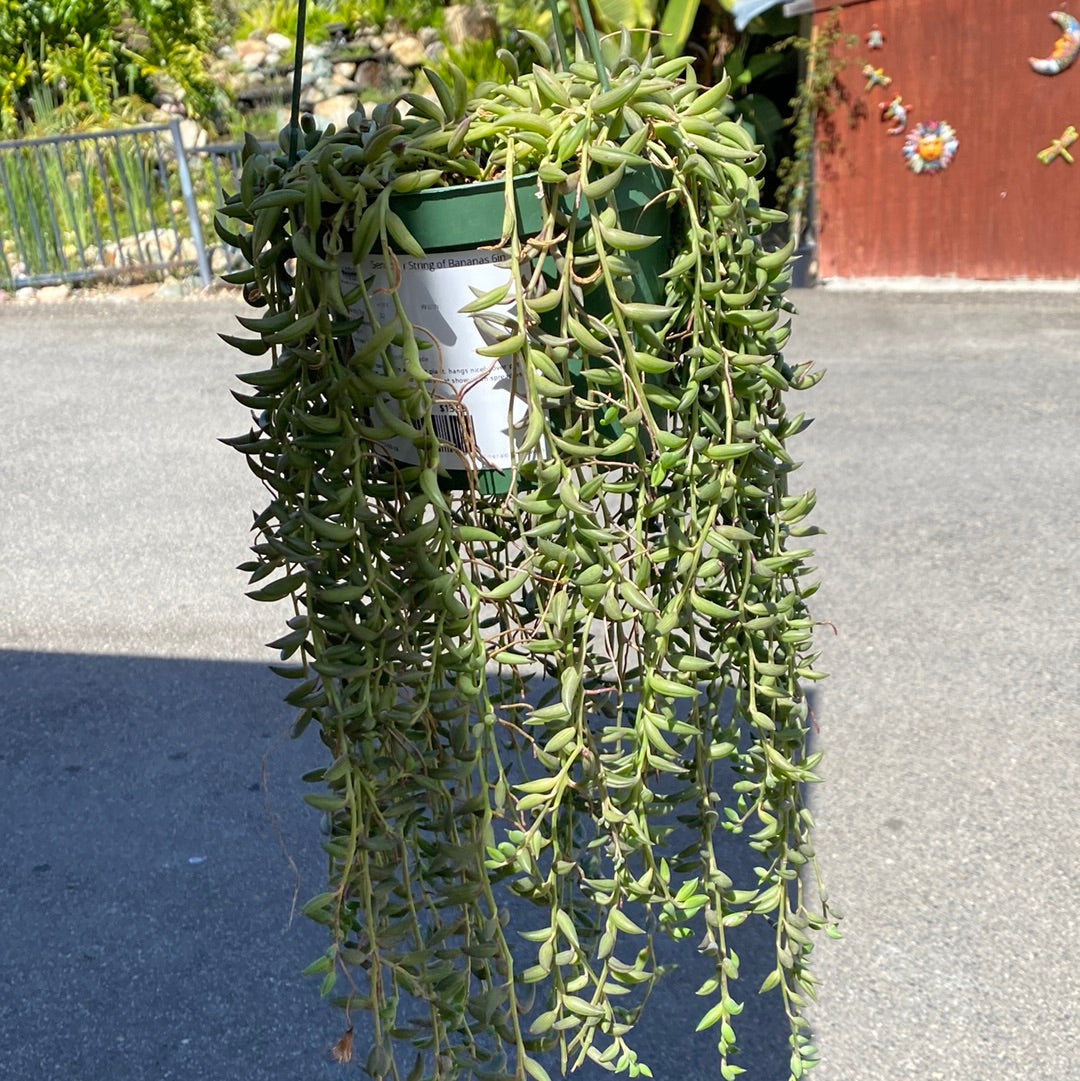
(148, 807)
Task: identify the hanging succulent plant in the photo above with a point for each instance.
(558, 671)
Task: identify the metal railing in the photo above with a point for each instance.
(76, 208)
(215, 169)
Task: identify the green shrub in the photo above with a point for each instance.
(266, 16)
(93, 52)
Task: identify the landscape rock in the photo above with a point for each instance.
(192, 135)
(141, 291)
(324, 88)
(137, 249)
(339, 84)
(169, 98)
(408, 51)
(279, 43)
(370, 75)
(174, 288)
(224, 259)
(319, 67)
(50, 294)
(26, 293)
(188, 252)
(251, 53)
(335, 111)
(469, 22)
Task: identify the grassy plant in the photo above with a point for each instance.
(477, 61)
(265, 16)
(65, 205)
(92, 51)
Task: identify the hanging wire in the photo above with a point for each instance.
(298, 71)
(560, 37)
(594, 44)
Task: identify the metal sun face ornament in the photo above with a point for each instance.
(930, 147)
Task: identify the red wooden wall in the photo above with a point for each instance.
(997, 212)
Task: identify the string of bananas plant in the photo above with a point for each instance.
(550, 704)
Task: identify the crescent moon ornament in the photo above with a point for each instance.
(1065, 50)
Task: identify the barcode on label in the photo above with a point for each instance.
(454, 429)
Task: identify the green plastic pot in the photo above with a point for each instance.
(470, 216)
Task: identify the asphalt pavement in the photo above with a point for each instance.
(152, 834)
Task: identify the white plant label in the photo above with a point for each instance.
(474, 409)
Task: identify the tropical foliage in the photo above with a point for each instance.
(279, 16)
(92, 53)
(105, 61)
